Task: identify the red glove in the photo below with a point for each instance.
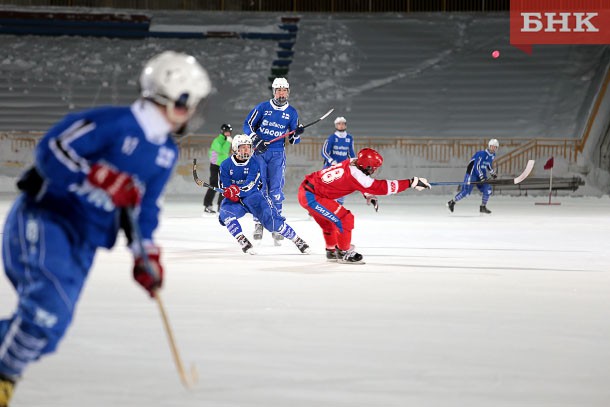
(143, 276)
(232, 193)
(118, 185)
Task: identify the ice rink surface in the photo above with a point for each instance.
(511, 309)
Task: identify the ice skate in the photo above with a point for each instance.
(349, 257)
(276, 238)
(301, 245)
(245, 244)
(451, 205)
(483, 209)
(6, 391)
(331, 255)
(209, 209)
(258, 231)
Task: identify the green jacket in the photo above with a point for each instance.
(220, 150)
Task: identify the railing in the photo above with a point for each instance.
(333, 6)
(513, 156)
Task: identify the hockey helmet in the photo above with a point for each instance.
(240, 140)
(280, 83)
(369, 160)
(174, 80)
(226, 127)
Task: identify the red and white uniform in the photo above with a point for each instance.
(344, 178)
(319, 190)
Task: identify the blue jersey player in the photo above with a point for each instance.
(87, 169)
(265, 122)
(338, 147)
(479, 169)
(241, 179)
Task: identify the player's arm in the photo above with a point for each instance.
(295, 138)
(327, 149)
(352, 154)
(63, 155)
(252, 122)
(250, 185)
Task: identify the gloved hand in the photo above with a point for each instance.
(293, 138)
(258, 144)
(118, 185)
(419, 183)
(150, 282)
(229, 139)
(493, 175)
(299, 130)
(372, 200)
(232, 193)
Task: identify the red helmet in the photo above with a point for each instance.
(369, 160)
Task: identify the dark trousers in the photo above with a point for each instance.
(209, 196)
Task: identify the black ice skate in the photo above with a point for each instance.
(349, 257)
(483, 209)
(301, 245)
(331, 255)
(208, 209)
(451, 205)
(245, 244)
(258, 231)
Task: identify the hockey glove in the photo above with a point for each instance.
(299, 130)
(493, 175)
(30, 182)
(419, 183)
(232, 193)
(258, 143)
(372, 200)
(118, 185)
(150, 282)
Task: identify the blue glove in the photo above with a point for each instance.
(258, 143)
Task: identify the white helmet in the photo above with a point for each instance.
(240, 140)
(280, 83)
(493, 142)
(171, 78)
(340, 119)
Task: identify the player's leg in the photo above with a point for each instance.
(261, 160)
(48, 271)
(274, 221)
(486, 191)
(229, 213)
(465, 190)
(277, 172)
(208, 200)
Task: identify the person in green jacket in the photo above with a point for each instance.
(219, 151)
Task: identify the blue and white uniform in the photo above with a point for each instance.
(269, 121)
(337, 148)
(479, 169)
(50, 237)
(246, 175)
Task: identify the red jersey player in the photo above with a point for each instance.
(319, 190)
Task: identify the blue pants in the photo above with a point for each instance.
(47, 264)
(467, 190)
(261, 208)
(272, 164)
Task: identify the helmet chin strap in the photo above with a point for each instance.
(280, 101)
(177, 120)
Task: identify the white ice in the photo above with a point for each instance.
(511, 309)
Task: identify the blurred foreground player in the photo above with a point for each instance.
(87, 168)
